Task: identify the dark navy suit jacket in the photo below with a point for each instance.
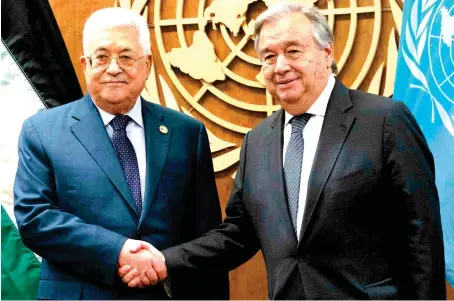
(371, 226)
(74, 208)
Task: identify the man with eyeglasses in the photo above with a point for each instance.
(336, 189)
(105, 177)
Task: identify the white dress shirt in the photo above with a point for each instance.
(311, 134)
(136, 134)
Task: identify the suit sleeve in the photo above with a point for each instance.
(412, 170)
(224, 248)
(87, 249)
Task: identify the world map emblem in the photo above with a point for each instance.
(206, 48)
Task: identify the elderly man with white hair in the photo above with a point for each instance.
(337, 188)
(111, 173)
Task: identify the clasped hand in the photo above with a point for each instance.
(141, 264)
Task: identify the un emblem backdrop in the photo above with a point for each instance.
(204, 65)
(206, 49)
(425, 82)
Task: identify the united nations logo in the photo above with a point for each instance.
(207, 51)
(431, 29)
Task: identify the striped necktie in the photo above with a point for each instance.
(293, 163)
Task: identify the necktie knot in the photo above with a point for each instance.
(299, 122)
(120, 122)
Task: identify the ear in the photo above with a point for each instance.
(329, 54)
(149, 63)
(84, 62)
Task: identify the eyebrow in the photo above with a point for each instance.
(125, 49)
(287, 44)
(292, 43)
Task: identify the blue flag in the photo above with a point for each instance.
(425, 82)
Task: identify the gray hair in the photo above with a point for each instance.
(116, 17)
(321, 31)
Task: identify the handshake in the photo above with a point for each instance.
(141, 264)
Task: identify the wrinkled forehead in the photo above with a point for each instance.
(293, 29)
(116, 38)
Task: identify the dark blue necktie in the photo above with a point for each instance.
(293, 163)
(127, 157)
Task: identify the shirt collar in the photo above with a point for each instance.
(135, 113)
(319, 106)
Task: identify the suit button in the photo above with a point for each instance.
(139, 232)
(302, 257)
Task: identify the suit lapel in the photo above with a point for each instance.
(91, 133)
(276, 175)
(338, 121)
(157, 146)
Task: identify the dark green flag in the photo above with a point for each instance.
(20, 267)
(37, 73)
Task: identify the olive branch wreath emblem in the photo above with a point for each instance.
(416, 37)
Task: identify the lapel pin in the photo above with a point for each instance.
(163, 129)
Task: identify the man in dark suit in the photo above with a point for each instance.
(110, 173)
(337, 189)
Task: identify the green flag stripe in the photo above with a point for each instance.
(20, 267)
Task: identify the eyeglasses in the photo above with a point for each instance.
(102, 61)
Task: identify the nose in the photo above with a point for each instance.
(113, 68)
(282, 65)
